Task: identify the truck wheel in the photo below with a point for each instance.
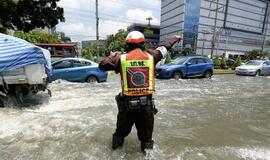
(177, 75)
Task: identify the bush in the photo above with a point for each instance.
(223, 64)
(225, 67)
(87, 53)
(217, 62)
(256, 54)
(217, 67)
(237, 63)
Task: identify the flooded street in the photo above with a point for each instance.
(225, 118)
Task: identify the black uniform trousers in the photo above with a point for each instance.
(143, 118)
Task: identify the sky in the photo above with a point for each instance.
(80, 15)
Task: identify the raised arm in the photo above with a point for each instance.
(161, 52)
(110, 63)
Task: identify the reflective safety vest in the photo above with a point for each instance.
(137, 73)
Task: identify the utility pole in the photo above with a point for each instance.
(97, 32)
(215, 30)
(266, 27)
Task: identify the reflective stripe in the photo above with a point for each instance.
(163, 51)
(139, 40)
(124, 71)
(137, 75)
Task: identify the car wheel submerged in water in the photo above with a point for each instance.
(258, 73)
(186, 67)
(207, 74)
(177, 75)
(91, 79)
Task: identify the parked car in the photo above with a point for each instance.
(230, 62)
(77, 70)
(254, 68)
(186, 67)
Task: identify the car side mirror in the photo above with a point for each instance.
(188, 63)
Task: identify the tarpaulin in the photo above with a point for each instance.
(17, 53)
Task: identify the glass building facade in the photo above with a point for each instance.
(191, 22)
(242, 25)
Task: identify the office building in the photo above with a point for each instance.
(240, 24)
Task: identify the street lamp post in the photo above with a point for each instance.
(97, 29)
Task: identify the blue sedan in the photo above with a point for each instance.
(186, 67)
(77, 70)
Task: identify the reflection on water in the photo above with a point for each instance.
(225, 118)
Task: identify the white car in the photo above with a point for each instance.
(254, 68)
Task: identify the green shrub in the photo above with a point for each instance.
(87, 53)
(217, 62)
(217, 67)
(237, 63)
(225, 67)
(256, 54)
(223, 64)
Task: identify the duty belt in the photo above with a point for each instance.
(128, 103)
(138, 102)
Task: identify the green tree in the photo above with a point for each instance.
(116, 42)
(37, 37)
(26, 15)
(256, 54)
(86, 53)
(90, 51)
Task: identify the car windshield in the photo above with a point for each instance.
(179, 60)
(253, 63)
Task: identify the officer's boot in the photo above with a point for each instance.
(117, 142)
(147, 145)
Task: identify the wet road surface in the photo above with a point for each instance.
(225, 118)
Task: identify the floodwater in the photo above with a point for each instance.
(224, 118)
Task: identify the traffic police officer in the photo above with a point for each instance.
(135, 102)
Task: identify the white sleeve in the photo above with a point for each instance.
(163, 51)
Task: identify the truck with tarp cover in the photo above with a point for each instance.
(24, 67)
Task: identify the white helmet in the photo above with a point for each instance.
(135, 37)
